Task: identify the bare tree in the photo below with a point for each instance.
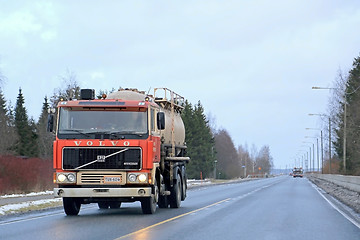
(228, 160)
(264, 161)
(212, 122)
(70, 89)
(7, 130)
(245, 160)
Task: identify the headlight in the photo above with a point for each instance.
(142, 178)
(132, 177)
(61, 178)
(71, 177)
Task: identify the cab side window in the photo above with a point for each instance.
(152, 120)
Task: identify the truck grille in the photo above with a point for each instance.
(101, 158)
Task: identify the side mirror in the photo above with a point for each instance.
(50, 123)
(161, 120)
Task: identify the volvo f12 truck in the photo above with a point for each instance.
(125, 147)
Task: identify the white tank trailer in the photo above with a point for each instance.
(169, 135)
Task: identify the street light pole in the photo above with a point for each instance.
(329, 146)
(215, 168)
(307, 158)
(313, 157)
(322, 153)
(317, 150)
(310, 153)
(314, 114)
(322, 148)
(344, 141)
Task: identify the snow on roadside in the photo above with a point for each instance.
(193, 182)
(19, 207)
(28, 194)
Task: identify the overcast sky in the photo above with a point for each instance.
(251, 63)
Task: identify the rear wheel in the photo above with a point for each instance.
(184, 188)
(175, 196)
(71, 206)
(163, 201)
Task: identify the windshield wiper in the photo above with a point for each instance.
(101, 159)
(127, 132)
(76, 130)
(98, 132)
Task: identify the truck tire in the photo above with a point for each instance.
(148, 204)
(163, 202)
(175, 196)
(183, 184)
(163, 199)
(103, 205)
(71, 206)
(114, 205)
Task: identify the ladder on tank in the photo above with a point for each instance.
(171, 101)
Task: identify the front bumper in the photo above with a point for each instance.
(103, 192)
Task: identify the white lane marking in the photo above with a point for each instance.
(336, 208)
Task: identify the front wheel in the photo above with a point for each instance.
(103, 205)
(71, 206)
(148, 205)
(115, 205)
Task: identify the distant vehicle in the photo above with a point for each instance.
(297, 172)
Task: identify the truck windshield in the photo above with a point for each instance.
(99, 121)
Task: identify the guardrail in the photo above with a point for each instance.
(349, 182)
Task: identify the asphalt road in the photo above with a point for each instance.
(275, 208)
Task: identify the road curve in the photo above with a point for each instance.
(274, 208)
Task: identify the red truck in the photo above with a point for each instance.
(125, 147)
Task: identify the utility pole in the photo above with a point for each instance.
(317, 147)
(322, 154)
(329, 145)
(344, 146)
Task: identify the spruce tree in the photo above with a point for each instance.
(5, 127)
(45, 139)
(26, 131)
(199, 140)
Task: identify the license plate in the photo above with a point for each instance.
(112, 179)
